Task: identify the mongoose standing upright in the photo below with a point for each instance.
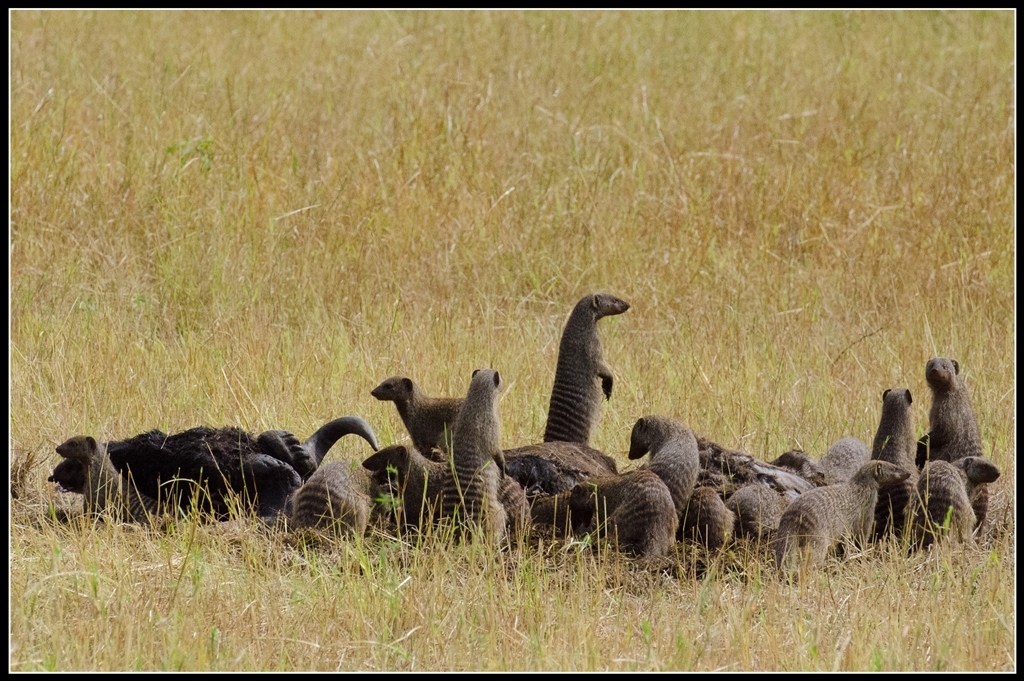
(707, 520)
(634, 509)
(338, 495)
(945, 490)
(953, 428)
(429, 420)
(87, 470)
(582, 377)
(819, 518)
(757, 509)
(843, 459)
(674, 458)
(470, 494)
(895, 442)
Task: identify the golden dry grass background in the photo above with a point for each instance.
(252, 218)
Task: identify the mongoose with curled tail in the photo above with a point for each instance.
(582, 378)
(470, 494)
(895, 442)
(945, 491)
(87, 470)
(429, 420)
(674, 458)
(821, 517)
(953, 427)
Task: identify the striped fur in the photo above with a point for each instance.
(674, 457)
(634, 509)
(418, 481)
(757, 510)
(338, 496)
(707, 520)
(895, 442)
(87, 464)
(582, 377)
(821, 517)
(430, 421)
(470, 494)
(843, 459)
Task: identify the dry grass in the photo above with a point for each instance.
(252, 218)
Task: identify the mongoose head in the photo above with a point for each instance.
(880, 473)
(71, 473)
(606, 305)
(941, 374)
(488, 378)
(897, 394)
(801, 464)
(649, 433)
(79, 448)
(978, 469)
(395, 389)
(395, 456)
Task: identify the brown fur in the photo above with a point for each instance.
(570, 464)
(470, 495)
(757, 509)
(895, 442)
(416, 480)
(945, 491)
(582, 378)
(843, 459)
(820, 518)
(634, 509)
(953, 427)
(87, 470)
(338, 496)
(707, 521)
(430, 421)
(674, 457)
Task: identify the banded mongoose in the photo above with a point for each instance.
(895, 442)
(843, 459)
(87, 470)
(821, 517)
(674, 457)
(338, 496)
(470, 494)
(757, 510)
(801, 464)
(549, 468)
(634, 509)
(945, 491)
(707, 521)
(953, 427)
(727, 470)
(211, 465)
(581, 377)
(418, 481)
(429, 420)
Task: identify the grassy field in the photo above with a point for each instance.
(252, 218)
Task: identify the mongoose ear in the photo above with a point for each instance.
(885, 393)
(91, 442)
(910, 398)
(497, 380)
(407, 384)
(475, 372)
(956, 366)
(595, 302)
